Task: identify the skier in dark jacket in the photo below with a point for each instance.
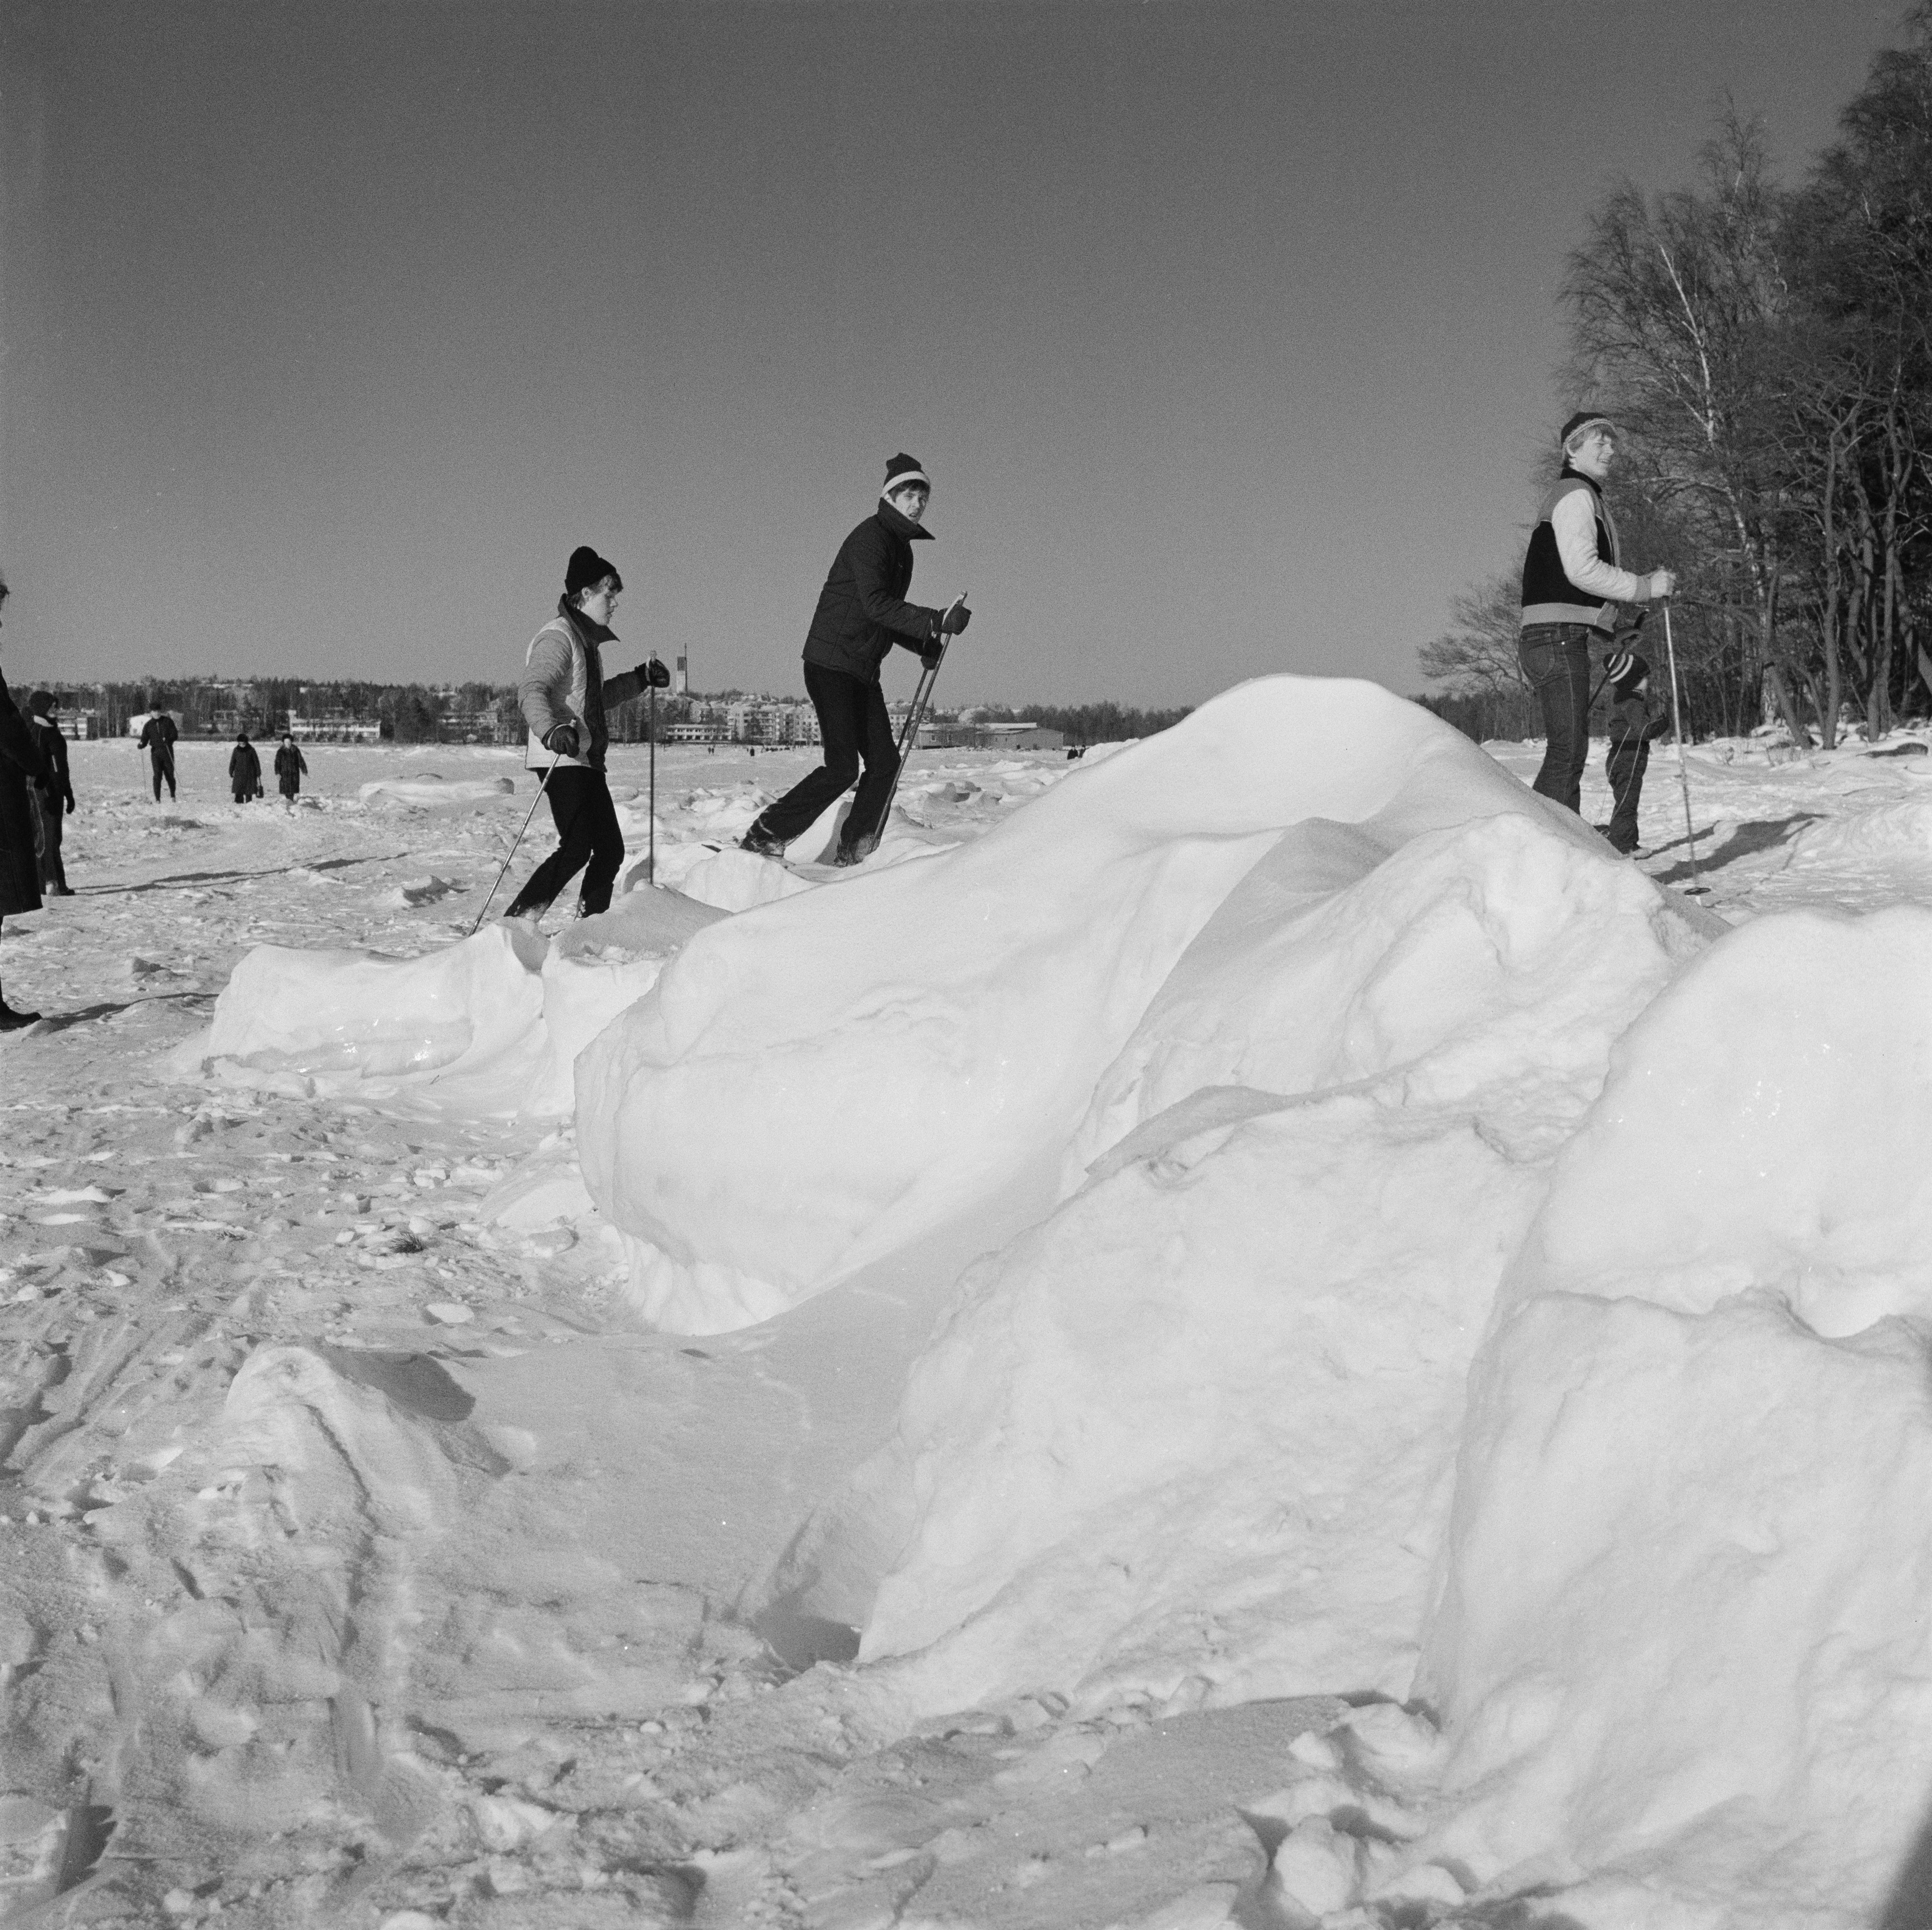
(862, 613)
(1632, 727)
(290, 768)
(21, 764)
(53, 800)
(244, 770)
(566, 700)
(157, 739)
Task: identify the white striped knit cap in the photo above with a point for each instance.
(1623, 662)
(903, 472)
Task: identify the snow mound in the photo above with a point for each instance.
(1164, 1397)
(1897, 831)
(1683, 1631)
(430, 789)
(491, 1024)
(818, 1082)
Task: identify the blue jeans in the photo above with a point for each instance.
(1555, 658)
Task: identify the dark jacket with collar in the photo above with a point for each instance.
(863, 611)
(21, 764)
(59, 788)
(245, 770)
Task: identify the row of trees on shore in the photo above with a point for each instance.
(1766, 352)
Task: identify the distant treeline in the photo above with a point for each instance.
(1086, 723)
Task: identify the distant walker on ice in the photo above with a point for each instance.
(862, 613)
(244, 770)
(1573, 579)
(157, 739)
(54, 798)
(566, 699)
(291, 767)
(22, 765)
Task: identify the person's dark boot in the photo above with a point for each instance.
(761, 844)
(11, 1021)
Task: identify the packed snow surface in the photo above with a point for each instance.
(1257, 1331)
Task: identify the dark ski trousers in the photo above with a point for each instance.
(588, 833)
(853, 725)
(163, 770)
(47, 839)
(1625, 767)
(1555, 658)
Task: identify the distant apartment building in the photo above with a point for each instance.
(333, 726)
(764, 720)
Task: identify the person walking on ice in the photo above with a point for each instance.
(1573, 579)
(1632, 727)
(157, 739)
(566, 700)
(54, 800)
(244, 770)
(291, 767)
(862, 613)
(22, 766)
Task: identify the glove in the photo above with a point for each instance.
(955, 620)
(653, 675)
(1660, 583)
(70, 804)
(930, 662)
(561, 740)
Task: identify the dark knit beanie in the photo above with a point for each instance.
(1627, 671)
(41, 704)
(901, 473)
(586, 569)
(1583, 420)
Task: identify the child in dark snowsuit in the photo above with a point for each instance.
(1632, 727)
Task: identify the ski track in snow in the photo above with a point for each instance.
(303, 1619)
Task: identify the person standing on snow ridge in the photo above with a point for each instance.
(1632, 727)
(862, 613)
(290, 767)
(53, 799)
(244, 770)
(1573, 577)
(157, 739)
(21, 765)
(566, 699)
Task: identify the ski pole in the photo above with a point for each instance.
(1677, 723)
(517, 840)
(651, 849)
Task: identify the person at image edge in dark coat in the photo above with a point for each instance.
(862, 613)
(244, 770)
(21, 764)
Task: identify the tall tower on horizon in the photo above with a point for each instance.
(682, 687)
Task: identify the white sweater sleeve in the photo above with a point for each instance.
(1574, 520)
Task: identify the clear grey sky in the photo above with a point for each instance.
(1227, 332)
